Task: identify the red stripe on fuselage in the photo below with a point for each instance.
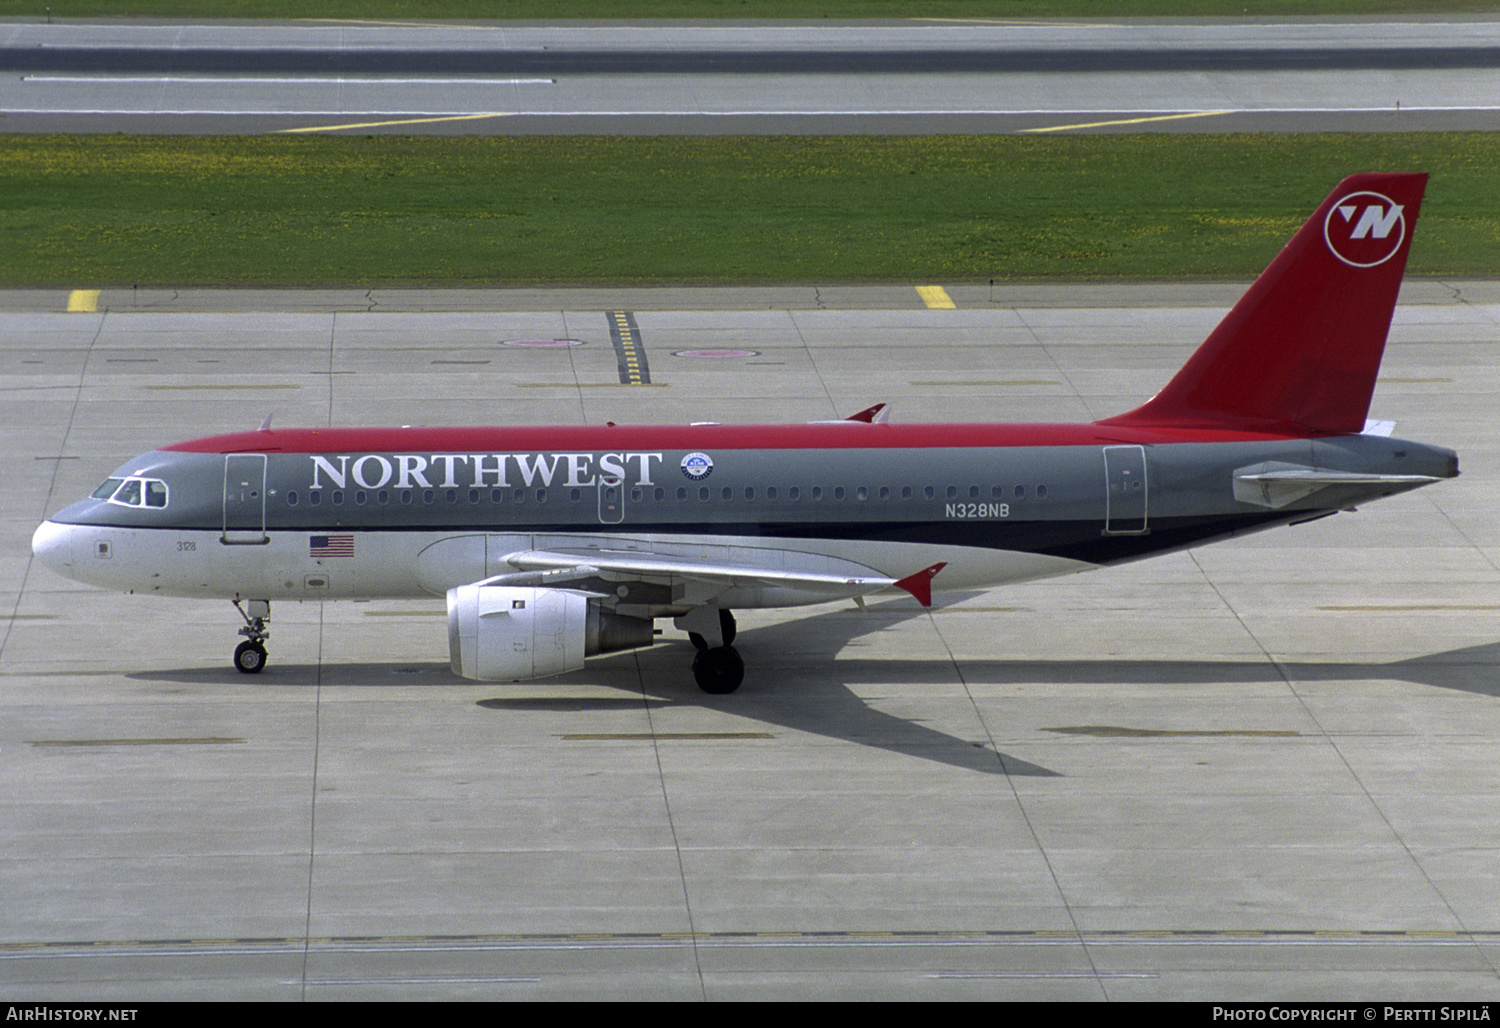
(834, 436)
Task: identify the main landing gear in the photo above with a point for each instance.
(717, 666)
(250, 655)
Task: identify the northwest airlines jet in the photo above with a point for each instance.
(553, 544)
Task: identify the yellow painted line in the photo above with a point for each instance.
(1129, 121)
(212, 740)
(992, 382)
(1124, 732)
(936, 297)
(402, 121)
(627, 350)
(1018, 22)
(83, 301)
(648, 736)
(397, 24)
(257, 388)
(586, 385)
(1414, 606)
(956, 609)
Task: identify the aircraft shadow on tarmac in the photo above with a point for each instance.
(807, 687)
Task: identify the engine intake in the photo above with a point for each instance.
(508, 633)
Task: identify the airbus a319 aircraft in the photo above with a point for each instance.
(555, 544)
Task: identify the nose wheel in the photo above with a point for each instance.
(250, 655)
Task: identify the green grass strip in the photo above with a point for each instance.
(499, 210)
(560, 10)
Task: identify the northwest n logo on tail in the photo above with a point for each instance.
(1365, 229)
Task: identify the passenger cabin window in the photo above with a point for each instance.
(133, 492)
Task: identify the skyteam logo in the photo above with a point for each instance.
(697, 465)
(1365, 229)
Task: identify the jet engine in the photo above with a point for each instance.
(506, 633)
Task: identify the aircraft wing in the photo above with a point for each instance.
(697, 582)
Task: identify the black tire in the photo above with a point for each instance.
(699, 643)
(719, 671)
(727, 626)
(249, 658)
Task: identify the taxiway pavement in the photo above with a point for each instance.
(1264, 769)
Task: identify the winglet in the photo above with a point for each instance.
(920, 584)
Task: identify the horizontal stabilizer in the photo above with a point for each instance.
(1276, 485)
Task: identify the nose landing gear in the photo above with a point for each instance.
(250, 655)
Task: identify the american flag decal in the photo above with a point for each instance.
(330, 546)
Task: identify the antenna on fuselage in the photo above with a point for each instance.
(265, 426)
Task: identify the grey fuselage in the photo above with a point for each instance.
(288, 522)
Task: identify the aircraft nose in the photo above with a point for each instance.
(52, 544)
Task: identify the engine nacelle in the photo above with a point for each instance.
(500, 633)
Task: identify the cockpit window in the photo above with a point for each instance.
(133, 492)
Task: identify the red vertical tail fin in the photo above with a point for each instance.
(1299, 353)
